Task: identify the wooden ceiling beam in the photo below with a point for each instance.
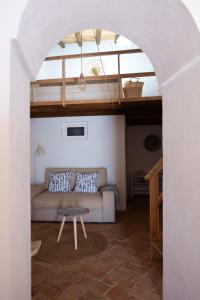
(98, 36)
(116, 37)
(141, 120)
(137, 113)
(88, 36)
(78, 38)
(61, 44)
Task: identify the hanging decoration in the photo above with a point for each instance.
(81, 83)
(104, 73)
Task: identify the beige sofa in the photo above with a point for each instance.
(45, 204)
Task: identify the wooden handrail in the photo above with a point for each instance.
(90, 79)
(155, 170)
(93, 54)
(63, 81)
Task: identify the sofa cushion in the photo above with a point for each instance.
(102, 175)
(61, 200)
(60, 182)
(86, 182)
(88, 200)
(51, 171)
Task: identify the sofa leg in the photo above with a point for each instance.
(61, 229)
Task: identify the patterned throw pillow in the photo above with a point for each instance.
(60, 182)
(86, 182)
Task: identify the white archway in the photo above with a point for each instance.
(167, 33)
(152, 25)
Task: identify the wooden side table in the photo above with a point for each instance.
(75, 212)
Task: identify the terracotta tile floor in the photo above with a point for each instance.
(122, 271)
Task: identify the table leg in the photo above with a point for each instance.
(83, 227)
(61, 229)
(75, 233)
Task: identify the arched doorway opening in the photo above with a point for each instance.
(108, 150)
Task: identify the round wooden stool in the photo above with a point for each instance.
(73, 212)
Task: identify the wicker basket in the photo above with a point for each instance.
(133, 89)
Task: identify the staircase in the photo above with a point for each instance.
(156, 199)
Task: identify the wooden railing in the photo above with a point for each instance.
(156, 198)
(64, 81)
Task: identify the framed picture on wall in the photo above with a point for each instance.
(75, 131)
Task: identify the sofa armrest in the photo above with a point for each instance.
(37, 189)
(108, 206)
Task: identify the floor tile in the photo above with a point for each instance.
(120, 271)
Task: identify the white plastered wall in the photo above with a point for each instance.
(15, 236)
(14, 176)
(181, 186)
(138, 158)
(104, 147)
(166, 32)
(19, 168)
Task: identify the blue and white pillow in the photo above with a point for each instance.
(60, 182)
(86, 182)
